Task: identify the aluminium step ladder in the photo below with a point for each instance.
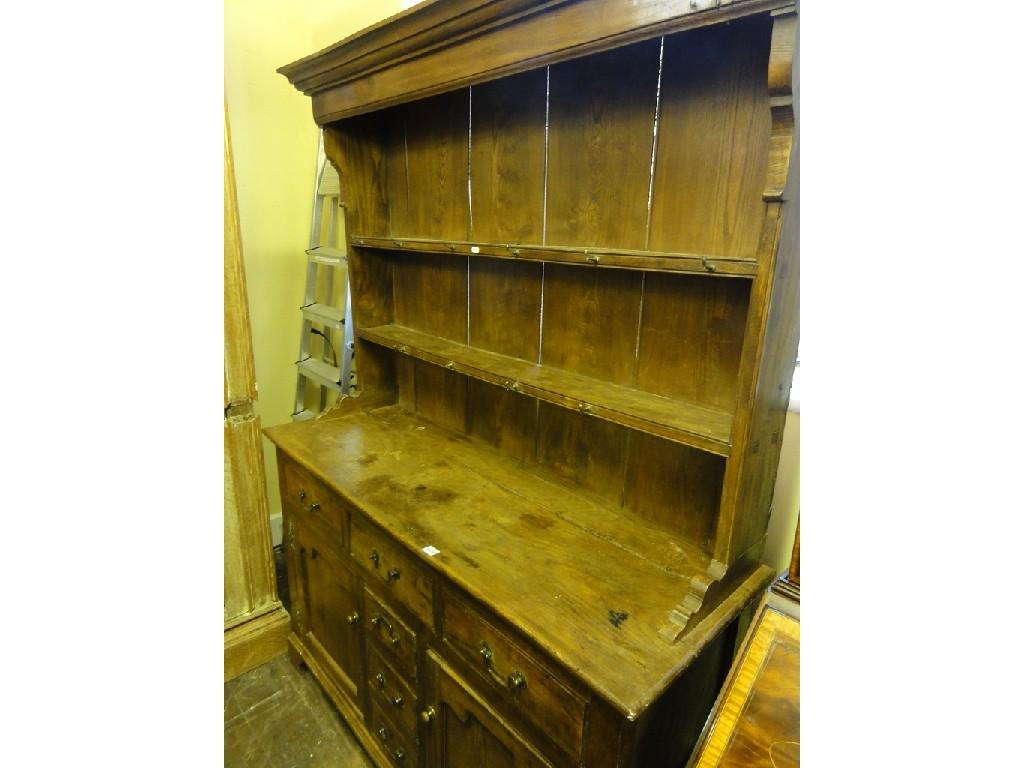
(326, 260)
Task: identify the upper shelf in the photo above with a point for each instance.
(604, 257)
(704, 428)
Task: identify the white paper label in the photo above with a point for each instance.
(474, 249)
(431, 550)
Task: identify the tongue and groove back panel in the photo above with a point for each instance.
(660, 145)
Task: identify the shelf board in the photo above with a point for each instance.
(704, 428)
(652, 261)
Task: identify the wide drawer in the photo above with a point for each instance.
(402, 579)
(313, 500)
(528, 685)
(402, 748)
(393, 635)
(392, 693)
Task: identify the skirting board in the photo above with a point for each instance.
(255, 642)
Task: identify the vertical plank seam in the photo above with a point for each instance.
(469, 166)
(469, 201)
(540, 324)
(547, 117)
(639, 326)
(654, 144)
(544, 240)
(405, 143)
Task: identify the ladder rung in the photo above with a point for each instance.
(321, 372)
(303, 415)
(332, 257)
(324, 314)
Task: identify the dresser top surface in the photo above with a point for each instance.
(550, 559)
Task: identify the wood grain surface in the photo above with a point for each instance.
(757, 723)
(508, 159)
(713, 154)
(255, 624)
(599, 147)
(545, 558)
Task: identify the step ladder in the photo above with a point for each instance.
(330, 369)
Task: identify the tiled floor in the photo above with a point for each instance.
(278, 717)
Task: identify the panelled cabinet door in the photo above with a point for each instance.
(332, 622)
(463, 732)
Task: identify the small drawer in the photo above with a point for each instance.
(533, 690)
(402, 748)
(391, 633)
(403, 580)
(311, 499)
(392, 693)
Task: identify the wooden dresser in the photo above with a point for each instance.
(572, 240)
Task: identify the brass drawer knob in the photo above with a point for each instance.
(516, 681)
(383, 733)
(380, 680)
(375, 558)
(394, 575)
(398, 700)
(428, 715)
(377, 620)
(353, 618)
(302, 495)
(399, 754)
(486, 652)
(314, 507)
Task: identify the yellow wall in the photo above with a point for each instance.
(274, 141)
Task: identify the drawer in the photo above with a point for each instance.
(401, 578)
(402, 748)
(392, 693)
(392, 634)
(527, 685)
(312, 500)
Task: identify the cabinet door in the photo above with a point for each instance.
(329, 592)
(464, 732)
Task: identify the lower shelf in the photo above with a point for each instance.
(687, 423)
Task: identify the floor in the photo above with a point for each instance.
(276, 716)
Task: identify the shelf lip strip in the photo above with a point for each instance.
(653, 261)
(520, 376)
